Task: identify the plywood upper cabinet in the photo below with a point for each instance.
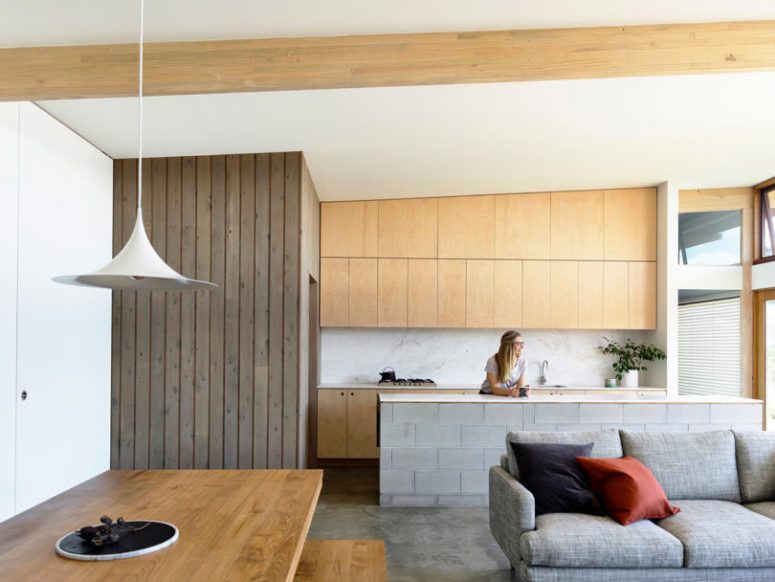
(507, 294)
(334, 292)
(522, 226)
(348, 229)
(408, 228)
(363, 293)
(452, 293)
(467, 227)
(479, 293)
(616, 309)
(564, 295)
(422, 295)
(392, 295)
(536, 303)
(642, 295)
(577, 225)
(591, 295)
(631, 224)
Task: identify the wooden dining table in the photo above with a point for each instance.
(234, 525)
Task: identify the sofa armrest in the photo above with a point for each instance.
(512, 511)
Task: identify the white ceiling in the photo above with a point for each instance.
(699, 131)
(53, 22)
(703, 131)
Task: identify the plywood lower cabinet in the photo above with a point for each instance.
(347, 420)
(347, 424)
(332, 424)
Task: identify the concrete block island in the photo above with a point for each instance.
(436, 449)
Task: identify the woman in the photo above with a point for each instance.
(506, 369)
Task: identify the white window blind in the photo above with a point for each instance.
(709, 347)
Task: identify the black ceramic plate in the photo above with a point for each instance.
(156, 536)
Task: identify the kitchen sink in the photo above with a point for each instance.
(549, 386)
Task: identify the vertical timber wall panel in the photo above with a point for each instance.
(276, 288)
(211, 379)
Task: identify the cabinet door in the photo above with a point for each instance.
(348, 229)
(564, 295)
(363, 293)
(392, 293)
(507, 293)
(452, 293)
(423, 293)
(522, 226)
(536, 283)
(334, 292)
(616, 295)
(408, 228)
(9, 185)
(642, 295)
(590, 294)
(479, 293)
(577, 225)
(631, 224)
(467, 227)
(64, 333)
(362, 424)
(332, 424)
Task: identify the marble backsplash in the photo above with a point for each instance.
(458, 356)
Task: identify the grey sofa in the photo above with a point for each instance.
(723, 481)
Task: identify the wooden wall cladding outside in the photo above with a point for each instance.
(210, 379)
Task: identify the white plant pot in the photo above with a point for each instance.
(630, 379)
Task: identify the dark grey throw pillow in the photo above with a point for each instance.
(553, 475)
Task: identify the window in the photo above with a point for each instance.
(709, 342)
(709, 238)
(766, 226)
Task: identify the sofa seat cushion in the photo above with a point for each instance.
(574, 540)
(606, 443)
(766, 508)
(721, 534)
(698, 465)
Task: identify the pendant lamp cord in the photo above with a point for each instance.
(140, 125)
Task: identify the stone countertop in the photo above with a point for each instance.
(620, 399)
(376, 386)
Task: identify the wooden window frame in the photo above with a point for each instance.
(759, 202)
(743, 199)
(763, 214)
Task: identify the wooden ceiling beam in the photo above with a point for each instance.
(233, 66)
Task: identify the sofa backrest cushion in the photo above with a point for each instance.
(606, 443)
(756, 465)
(698, 465)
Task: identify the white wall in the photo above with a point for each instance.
(9, 184)
(763, 276)
(458, 356)
(62, 346)
(665, 373)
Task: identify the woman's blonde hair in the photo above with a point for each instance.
(506, 358)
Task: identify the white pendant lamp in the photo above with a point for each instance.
(138, 265)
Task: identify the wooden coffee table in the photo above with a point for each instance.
(234, 525)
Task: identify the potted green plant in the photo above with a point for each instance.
(630, 359)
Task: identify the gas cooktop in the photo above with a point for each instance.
(408, 382)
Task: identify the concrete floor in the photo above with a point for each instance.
(422, 543)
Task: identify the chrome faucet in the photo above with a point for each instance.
(544, 367)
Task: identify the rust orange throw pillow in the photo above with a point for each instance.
(627, 489)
